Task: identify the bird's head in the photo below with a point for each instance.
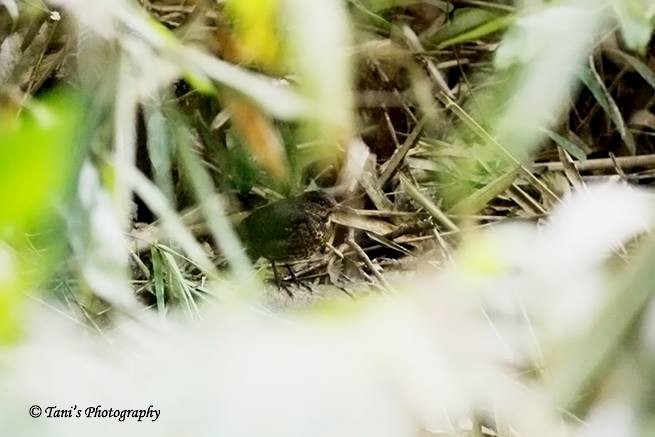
(318, 202)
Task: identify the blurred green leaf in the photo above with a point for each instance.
(596, 351)
(479, 199)
(469, 24)
(159, 279)
(243, 170)
(635, 18)
(161, 148)
(10, 298)
(374, 18)
(11, 304)
(200, 83)
(535, 67)
(472, 26)
(381, 5)
(35, 160)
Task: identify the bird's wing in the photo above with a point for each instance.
(272, 229)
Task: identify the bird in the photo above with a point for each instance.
(289, 229)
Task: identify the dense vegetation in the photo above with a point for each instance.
(489, 261)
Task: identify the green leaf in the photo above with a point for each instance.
(594, 83)
(470, 24)
(374, 18)
(478, 200)
(595, 88)
(567, 145)
(243, 170)
(381, 5)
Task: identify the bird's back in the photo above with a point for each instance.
(283, 230)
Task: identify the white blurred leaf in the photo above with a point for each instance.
(114, 18)
(356, 157)
(548, 279)
(611, 419)
(546, 46)
(583, 232)
(99, 17)
(11, 7)
(635, 17)
(320, 34)
(592, 222)
(99, 242)
(387, 369)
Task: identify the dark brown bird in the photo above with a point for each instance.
(289, 229)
